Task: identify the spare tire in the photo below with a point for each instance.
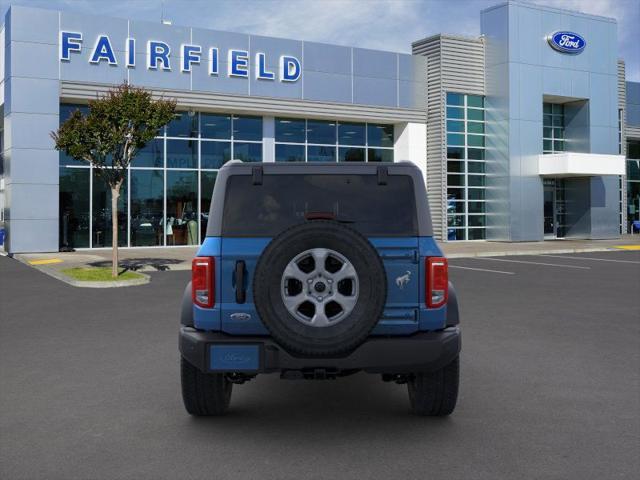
(320, 288)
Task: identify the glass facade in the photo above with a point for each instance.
(465, 122)
(633, 183)
(166, 197)
(552, 128)
(300, 140)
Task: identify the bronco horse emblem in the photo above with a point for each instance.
(402, 280)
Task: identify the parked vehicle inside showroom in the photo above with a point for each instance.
(319, 271)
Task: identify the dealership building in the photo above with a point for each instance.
(525, 133)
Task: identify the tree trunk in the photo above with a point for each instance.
(115, 193)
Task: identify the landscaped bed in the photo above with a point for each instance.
(99, 274)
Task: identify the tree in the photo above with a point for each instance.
(117, 126)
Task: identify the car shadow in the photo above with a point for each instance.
(134, 264)
(358, 406)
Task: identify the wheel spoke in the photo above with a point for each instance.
(346, 271)
(294, 301)
(319, 319)
(346, 302)
(319, 257)
(293, 271)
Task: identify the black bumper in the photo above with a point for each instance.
(424, 351)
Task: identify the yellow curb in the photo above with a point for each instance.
(47, 261)
(628, 247)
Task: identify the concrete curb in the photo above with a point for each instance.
(84, 284)
(531, 252)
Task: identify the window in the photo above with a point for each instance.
(553, 128)
(101, 228)
(66, 110)
(74, 207)
(184, 125)
(182, 208)
(283, 201)
(147, 207)
(633, 183)
(207, 182)
(215, 126)
(166, 197)
(466, 167)
(299, 140)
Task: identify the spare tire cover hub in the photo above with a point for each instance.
(319, 287)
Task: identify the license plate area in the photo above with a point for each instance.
(235, 357)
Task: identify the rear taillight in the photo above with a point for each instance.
(437, 281)
(202, 281)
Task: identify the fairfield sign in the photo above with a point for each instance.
(159, 56)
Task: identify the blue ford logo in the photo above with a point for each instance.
(567, 42)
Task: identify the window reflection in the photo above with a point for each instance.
(182, 154)
(207, 182)
(320, 153)
(320, 131)
(214, 154)
(215, 126)
(247, 128)
(184, 124)
(151, 155)
(289, 153)
(247, 152)
(147, 207)
(290, 130)
(182, 207)
(351, 154)
(380, 155)
(351, 133)
(380, 135)
(101, 216)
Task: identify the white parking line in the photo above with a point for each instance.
(531, 263)
(591, 258)
(481, 270)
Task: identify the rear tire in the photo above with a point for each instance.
(435, 394)
(204, 394)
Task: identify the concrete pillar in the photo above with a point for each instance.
(31, 112)
(411, 144)
(268, 139)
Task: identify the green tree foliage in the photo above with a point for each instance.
(117, 126)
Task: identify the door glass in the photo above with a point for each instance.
(560, 209)
(549, 224)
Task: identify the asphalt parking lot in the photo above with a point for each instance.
(89, 386)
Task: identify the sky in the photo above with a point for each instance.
(378, 24)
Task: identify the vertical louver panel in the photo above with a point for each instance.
(454, 64)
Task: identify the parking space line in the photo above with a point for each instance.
(481, 270)
(531, 263)
(591, 258)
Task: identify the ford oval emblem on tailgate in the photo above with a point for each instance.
(240, 316)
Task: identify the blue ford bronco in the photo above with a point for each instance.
(318, 271)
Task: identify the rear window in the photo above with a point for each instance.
(286, 200)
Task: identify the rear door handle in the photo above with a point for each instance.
(239, 274)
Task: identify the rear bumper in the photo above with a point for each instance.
(424, 351)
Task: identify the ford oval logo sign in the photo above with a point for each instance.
(567, 42)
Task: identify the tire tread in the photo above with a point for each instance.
(435, 394)
(204, 394)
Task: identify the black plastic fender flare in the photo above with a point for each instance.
(186, 309)
(453, 314)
